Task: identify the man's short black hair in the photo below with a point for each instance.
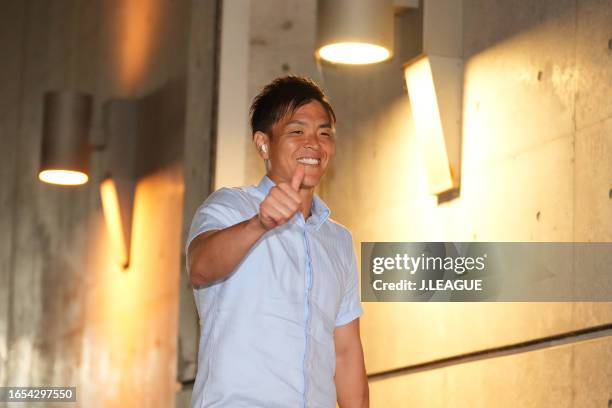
(284, 95)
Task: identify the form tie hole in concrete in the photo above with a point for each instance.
(610, 48)
(610, 193)
(540, 74)
(538, 215)
(610, 403)
(285, 67)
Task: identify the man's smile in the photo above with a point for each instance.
(309, 161)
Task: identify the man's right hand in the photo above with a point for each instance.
(282, 202)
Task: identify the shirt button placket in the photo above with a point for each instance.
(306, 363)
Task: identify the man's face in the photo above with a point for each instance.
(307, 136)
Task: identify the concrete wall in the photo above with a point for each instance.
(69, 316)
(537, 166)
(280, 42)
(200, 135)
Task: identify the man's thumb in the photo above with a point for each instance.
(298, 177)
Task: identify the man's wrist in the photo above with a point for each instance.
(255, 224)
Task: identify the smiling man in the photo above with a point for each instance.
(275, 279)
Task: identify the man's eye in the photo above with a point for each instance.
(296, 132)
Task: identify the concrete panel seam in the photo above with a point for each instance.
(561, 339)
(15, 210)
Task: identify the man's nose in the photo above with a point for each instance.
(312, 140)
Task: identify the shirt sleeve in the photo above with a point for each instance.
(350, 307)
(219, 211)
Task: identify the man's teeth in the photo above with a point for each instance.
(308, 160)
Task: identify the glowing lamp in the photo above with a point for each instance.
(355, 31)
(353, 53)
(63, 177)
(65, 142)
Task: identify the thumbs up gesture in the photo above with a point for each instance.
(282, 202)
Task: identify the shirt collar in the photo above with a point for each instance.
(319, 210)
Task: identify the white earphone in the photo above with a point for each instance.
(264, 149)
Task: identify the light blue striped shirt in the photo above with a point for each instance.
(266, 330)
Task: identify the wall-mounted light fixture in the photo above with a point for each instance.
(357, 32)
(434, 81)
(66, 150)
(354, 31)
(65, 141)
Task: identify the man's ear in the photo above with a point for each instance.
(260, 139)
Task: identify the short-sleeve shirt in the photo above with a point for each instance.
(266, 330)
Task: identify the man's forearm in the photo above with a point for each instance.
(215, 255)
(351, 382)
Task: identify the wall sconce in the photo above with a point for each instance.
(354, 31)
(434, 81)
(357, 32)
(65, 142)
(66, 150)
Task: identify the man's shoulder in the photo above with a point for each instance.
(238, 202)
(337, 230)
(231, 195)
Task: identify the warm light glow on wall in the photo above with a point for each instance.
(354, 53)
(131, 316)
(112, 215)
(63, 177)
(138, 22)
(428, 123)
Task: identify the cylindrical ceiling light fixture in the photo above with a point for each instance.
(355, 31)
(65, 143)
